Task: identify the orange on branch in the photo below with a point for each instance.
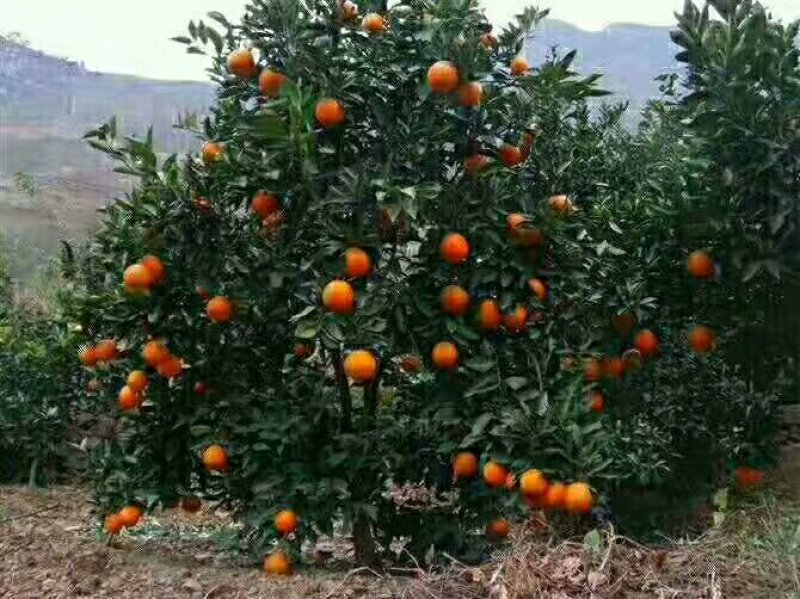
(137, 277)
(241, 63)
(154, 353)
(271, 82)
(88, 356)
(495, 474)
(538, 288)
(107, 350)
(130, 515)
(700, 265)
(517, 321)
(490, 317)
(156, 268)
(455, 249)
(465, 466)
(498, 529)
(373, 23)
(264, 204)
(212, 152)
(215, 458)
(647, 343)
(470, 94)
(137, 381)
(286, 522)
(445, 355)
(358, 264)
(702, 339)
(511, 155)
(578, 499)
(443, 77)
(455, 300)
(219, 309)
(128, 399)
(171, 367)
(361, 366)
(277, 564)
(519, 66)
(533, 483)
(329, 113)
(555, 496)
(339, 297)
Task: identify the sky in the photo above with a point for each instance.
(133, 37)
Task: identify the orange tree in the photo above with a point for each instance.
(366, 300)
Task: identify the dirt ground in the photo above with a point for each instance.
(50, 547)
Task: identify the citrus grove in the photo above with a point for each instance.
(403, 257)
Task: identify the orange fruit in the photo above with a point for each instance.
(241, 63)
(455, 248)
(373, 23)
(130, 515)
(476, 163)
(264, 204)
(215, 457)
(286, 522)
(88, 356)
(538, 288)
(330, 113)
(361, 366)
(128, 399)
(490, 317)
(561, 205)
(495, 474)
(271, 82)
(154, 353)
(702, 339)
(445, 355)
(357, 262)
(614, 368)
(106, 350)
(555, 496)
(598, 402)
(593, 371)
(700, 265)
(113, 524)
(748, 478)
(411, 364)
(488, 41)
(137, 381)
(498, 529)
(517, 321)
(191, 505)
(339, 297)
(156, 267)
(578, 499)
(646, 342)
(137, 278)
(219, 309)
(455, 300)
(470, 94)
(170, 368)
(519, 66)
(465, 466)
(533, 483)
(511, 155)
(443, 77)
(277, 564)
(212, 152)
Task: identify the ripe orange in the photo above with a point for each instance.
(361, 366)
(511, 155)
(219, 309)
(488, 41)
(411, 364)
(443, 77)
(598, 402)
(88, 356)
(748, 478)
(700, 265)
(495, 474)
(373, 23)
(445, 355)
(533, 483)
(470, 94)
(593, 371)
(271, 82)
(358, 264)
(241, 63)
(555, 496)
(191, 505)
(277, 564)
(498, 529)
(702, 339)
(137, 381)
(476, 163)
(538, 288)
(130, 515)
(465, 466)
(215, 457)
(106, 350)
(330, 113)
(490, 317)
(212, 152)
(171, 367)
(137, 278)
(154, 353)
(339, 297)
(519, 66)
(646, 342)
(561, 205)
(578, 499)
(286, 522)
(455, 248)
(614, 368)
(264, 204)
(517, 321)
(128, 399)
(113, 524)
(455, 300)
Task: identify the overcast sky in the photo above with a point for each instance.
(133, 37)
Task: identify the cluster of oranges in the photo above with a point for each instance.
(127, 517)
(142, 276)
(537, 491)
(104, 352)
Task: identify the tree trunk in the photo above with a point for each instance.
(364, 544)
